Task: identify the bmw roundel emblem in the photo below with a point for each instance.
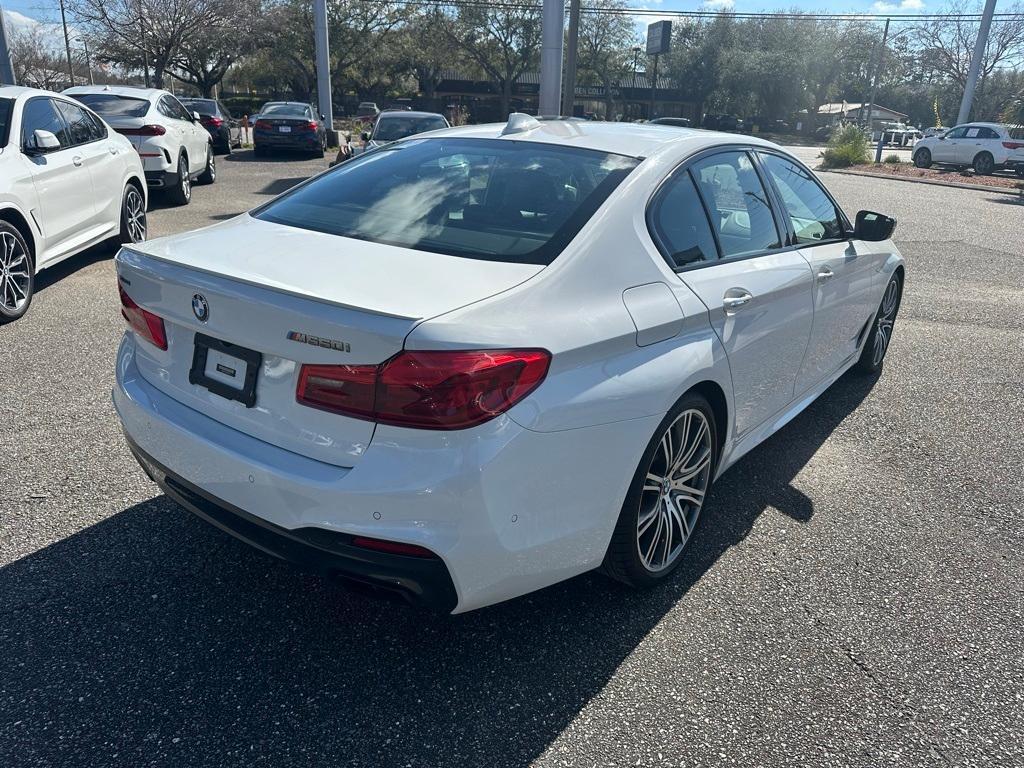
(200, 308)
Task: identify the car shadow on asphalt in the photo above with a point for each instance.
(152, 637)
(69, 266)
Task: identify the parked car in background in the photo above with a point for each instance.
(392, 126)
(67, 182)
(983, 146)
(678, 122)
(724, 123)
(224, 129)
(289, 125)
(382, 373)
(174, 146)
(935, 130)
(367, 111)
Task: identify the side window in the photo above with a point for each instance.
(810, 210)
(79, 125)
(172, 108)
(738, 204)
(987, 133)
(224, 112)
(680, 224)
(41, 115)
(163, 106)
(180, 111)
(956, 133)
(99, 130)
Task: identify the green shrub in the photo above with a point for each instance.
(892, 159)
(847, 146)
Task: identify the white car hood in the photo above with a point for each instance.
(383, 279)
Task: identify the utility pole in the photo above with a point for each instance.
(552, 39)
(874, 76)
(569, 95)
(6, 67)
(323, 67)
(979, 53)
(67, 42)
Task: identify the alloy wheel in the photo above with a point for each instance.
(886, 318)
(673, 492)
(135, 215)
(211, 167)
(14, 273)
(186, 182)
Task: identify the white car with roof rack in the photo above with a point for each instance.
(475, 362)
(175, 148)
(67, 182)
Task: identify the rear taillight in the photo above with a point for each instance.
(213, 122)
(262, 124)
(1013, 144)
(311, 125)
(427, 390)
(145, 324)
(146, 130)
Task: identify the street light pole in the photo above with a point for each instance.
(6, 67)
(67, 42)
(874, 76)
(323, 67)
(979, 53)
(552, 28)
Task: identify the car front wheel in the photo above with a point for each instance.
(16, 280)
(922, 158)
(666, 496)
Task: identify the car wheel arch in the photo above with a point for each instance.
(712, 391)
(15, 218)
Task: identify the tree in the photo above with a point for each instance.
(501, 37)
(204, 57)
(605, 47)
(38, 65)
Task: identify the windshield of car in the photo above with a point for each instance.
(6, 107)
(491, 199)
(285, 110)
(395, 128)
(202, 106)
(113, 105)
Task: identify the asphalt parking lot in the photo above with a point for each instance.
(854, 596)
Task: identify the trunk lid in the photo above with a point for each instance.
(294, 297)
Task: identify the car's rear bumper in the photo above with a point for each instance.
(506, 509)
(161, 179)
(422, 581)
(297, 141)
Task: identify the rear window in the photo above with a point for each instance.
(285, 110)
(490, 199)
(395, 128)
(202, 106)
(111, 105)
(6, 107)
(1016, 132)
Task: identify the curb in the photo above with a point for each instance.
(930, 182)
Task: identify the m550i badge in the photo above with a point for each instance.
(320, 341)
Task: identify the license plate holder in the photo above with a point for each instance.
(224, 352)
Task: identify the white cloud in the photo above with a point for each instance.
(904, 5)
(718, 5)
(51, 34)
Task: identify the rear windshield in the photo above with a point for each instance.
(491, 199)
(112, 105)
(6, 106)
(395, 128)
(1016, 132)
(203, 106)
(285, 110)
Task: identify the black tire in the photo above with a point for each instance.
(209, 174)
(923, 158)
(623, 560)
(983, 164)
(884, 323)
(134, 227)
(181, 192)
(17, 278)
(259, 151)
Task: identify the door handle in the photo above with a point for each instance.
(735, 298)
(825, 274)
(77, 160)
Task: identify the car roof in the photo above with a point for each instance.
(408, 113)
(632, 139)
(118, 90)
(14, 91)
(981, 125)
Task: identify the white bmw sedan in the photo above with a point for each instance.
(477, 362)
(67, 182)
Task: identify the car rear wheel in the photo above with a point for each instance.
(209, 175)
(666, 496)
(880, 335)
(983, 164)
(922, 158)
(133, 216)
(181, 192)
(17, 282)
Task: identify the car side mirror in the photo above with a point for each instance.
(43, 141)
(196, 118)
(873, 227)
(366, 135)
(323, 116)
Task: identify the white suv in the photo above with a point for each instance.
(174, 146)
(67, 182)
(983, 146)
